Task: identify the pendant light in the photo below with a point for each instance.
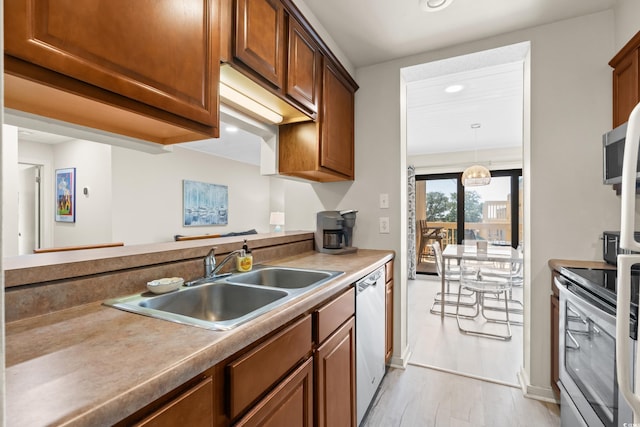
(476, 175)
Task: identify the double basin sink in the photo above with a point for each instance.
(222, 304)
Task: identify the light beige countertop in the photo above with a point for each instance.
(94, 365)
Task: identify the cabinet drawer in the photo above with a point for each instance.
(257, 371)
(289, 404)
(333, 314)
(192, 408)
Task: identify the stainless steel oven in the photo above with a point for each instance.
(589, 389)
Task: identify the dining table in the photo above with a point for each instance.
(479, 250)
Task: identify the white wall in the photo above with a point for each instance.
(122, 181)
(93, 212)
(569, 206)
(626, 16)
(42, 154)
(498, 159)
(10, 194)
(147, 194)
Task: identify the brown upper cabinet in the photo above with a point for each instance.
(102, 60)
(276, 52)
(322, 150)
(626, 80)
(260, 38)
(303, 67)
(336, 122)
(279, 60)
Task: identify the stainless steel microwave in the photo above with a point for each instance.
(613, 152)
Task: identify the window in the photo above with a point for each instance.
(454, 213)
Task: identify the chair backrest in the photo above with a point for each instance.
(437, 251)
(422, 225)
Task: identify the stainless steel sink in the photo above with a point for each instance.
(225, 304)
(282, 277)
(216, 302)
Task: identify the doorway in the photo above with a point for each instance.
(29, 207)
(445, 102)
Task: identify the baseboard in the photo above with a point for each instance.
(401, 362)
(544, 394)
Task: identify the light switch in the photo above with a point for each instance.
(384, 225)
(384, 201)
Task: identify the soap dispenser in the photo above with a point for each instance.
(244, 261)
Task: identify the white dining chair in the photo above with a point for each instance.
(452, 275)
(476, 276)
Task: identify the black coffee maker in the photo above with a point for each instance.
(334, 232)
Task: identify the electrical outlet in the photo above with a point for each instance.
(384, 201)
(384, 225)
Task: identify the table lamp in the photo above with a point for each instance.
(277, 220)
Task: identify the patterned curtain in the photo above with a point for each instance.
(411, 223)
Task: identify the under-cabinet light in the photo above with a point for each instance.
(234, 97)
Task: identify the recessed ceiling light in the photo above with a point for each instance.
(231, 129)
(453, 88)
(434, 5)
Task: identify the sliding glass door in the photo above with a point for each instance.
(447, 212)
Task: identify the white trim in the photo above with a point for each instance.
(463, 374)
(402, 361)
(543, 394)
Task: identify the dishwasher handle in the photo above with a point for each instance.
(371, 280)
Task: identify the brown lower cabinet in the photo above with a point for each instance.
(289, 404)
(389, 312)
(192, 408)
(301, 375)
(335, 378)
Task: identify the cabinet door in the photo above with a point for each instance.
(289, 404)
(163, 53)
(303, 67)
(194, 408)
(335, 368)
(389, 321)
(336, 121)
(626, 87)
(260, 38)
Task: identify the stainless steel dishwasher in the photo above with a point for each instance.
(370, 336)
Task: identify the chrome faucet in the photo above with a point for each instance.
(210, 263)
(214, 272)
(211, 269)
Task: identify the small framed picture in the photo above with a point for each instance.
(66, 195)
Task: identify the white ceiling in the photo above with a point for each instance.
(490, 97)
(238, 145)
(374, 31)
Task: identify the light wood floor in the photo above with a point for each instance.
(485, 393)
(438, 343)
